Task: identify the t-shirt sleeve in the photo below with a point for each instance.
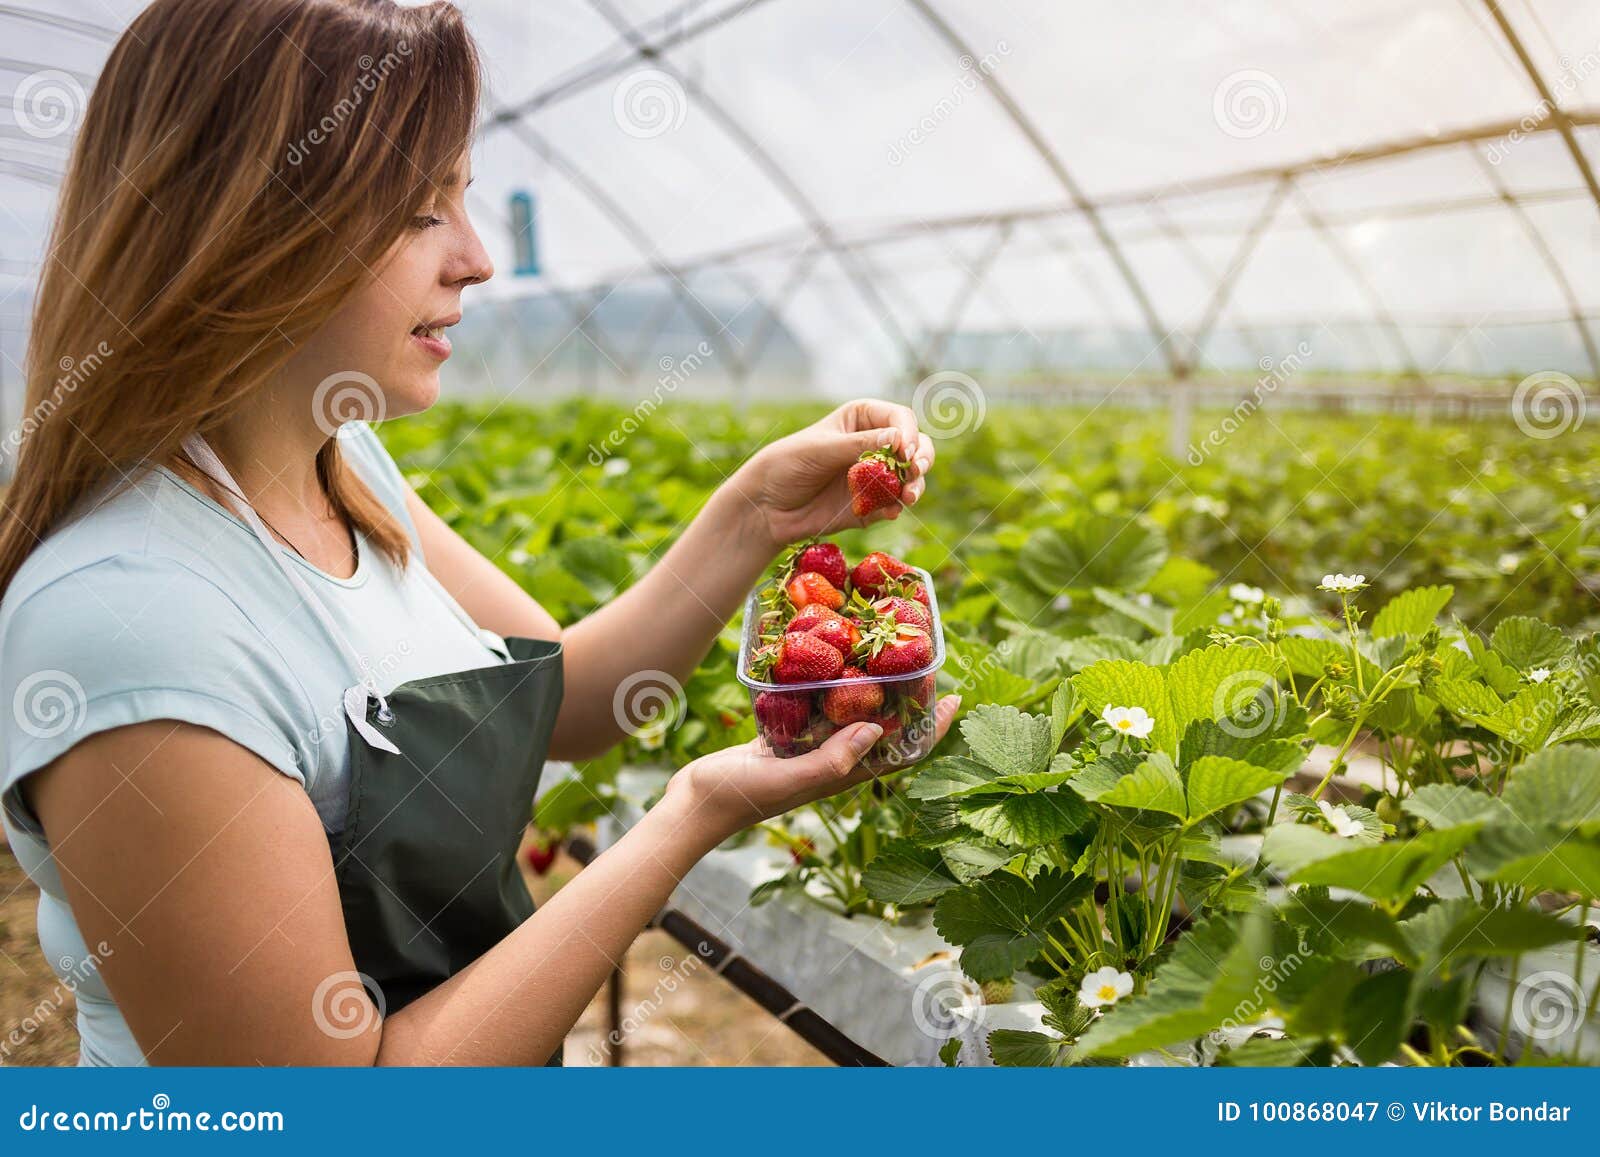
(372, 461)
(133, 638)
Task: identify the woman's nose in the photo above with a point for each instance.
(475, 265)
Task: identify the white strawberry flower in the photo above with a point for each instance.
(1104, 986)
(1343, 584)
(1538, 674)
(1247, 594)
(1344, 824)
(1578, 510)
(1508, 562)
(1134, 721)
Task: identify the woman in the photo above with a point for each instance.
(276, 727)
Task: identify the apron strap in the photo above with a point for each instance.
(356, 697)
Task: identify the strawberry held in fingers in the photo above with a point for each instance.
(808, 587)
(852, 702)
(783, 714)
(875, 572)
(825, 559)
(876, 482)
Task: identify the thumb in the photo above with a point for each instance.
(837, 757)
(861, 441)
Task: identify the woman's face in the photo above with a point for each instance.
(378, 357)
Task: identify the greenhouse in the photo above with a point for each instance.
(1142, 454)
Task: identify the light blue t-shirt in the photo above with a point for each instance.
(155, 602)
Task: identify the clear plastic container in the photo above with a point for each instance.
(908, 698)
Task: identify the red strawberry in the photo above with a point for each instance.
(839, 632)
(875, 481)
(809, 587)
(825, 559)
(783, 714)
(874, 572)
(905, 651)
(906, 611)
(811, 616)
(541, 856)
(889, 721)
(921, 691)
(803, 850)
(853, 702)
(806, 659)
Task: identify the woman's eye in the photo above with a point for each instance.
(426, 221)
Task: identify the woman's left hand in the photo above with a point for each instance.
(798, 482)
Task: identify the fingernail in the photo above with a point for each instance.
(955, 704)
(922, 465)
(866, 735)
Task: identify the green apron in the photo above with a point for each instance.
(443, 773)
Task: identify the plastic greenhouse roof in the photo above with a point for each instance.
(852, 192)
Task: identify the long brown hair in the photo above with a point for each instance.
(241, 167)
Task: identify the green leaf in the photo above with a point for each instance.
(1390, 871)
(1219, 683)
(1559, 786)
(973, 861)
(1000, 921)
(1528, 719)
(1212, 976)
(1011, 742)
(1095, 550)
(1155, 618)
(1217, 782)
(902, 873)
(1472, 701)
(1446, 805)
(950, 1052)
(950, 776)
(1020, 1048)
(1525, 643)
(1350, 927)
(1152, 786)
(1207, 737)
(1028, 820)
(1378, 1015)
(1411, 612)
(1064, 712)
(1122, 683)
(1456, 930)
(1538, 859)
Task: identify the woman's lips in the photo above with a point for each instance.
(434, 341)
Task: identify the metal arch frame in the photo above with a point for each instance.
(1087, 207)
(84, 28)
(1542, 247)
(1236, 267)
(976, 276)
(709, 324)
(1557, 115)
(776, 173)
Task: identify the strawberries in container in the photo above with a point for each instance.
(818, 654)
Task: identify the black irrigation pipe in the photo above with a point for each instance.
(745, 976)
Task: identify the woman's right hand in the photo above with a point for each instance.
(739, 786)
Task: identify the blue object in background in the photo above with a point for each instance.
(524, 235)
